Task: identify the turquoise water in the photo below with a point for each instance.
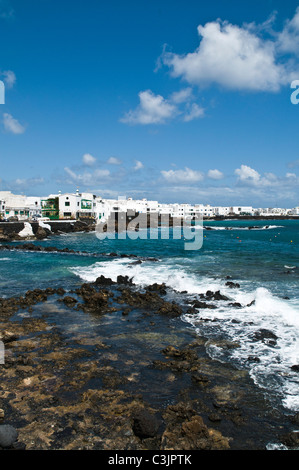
(263, 260)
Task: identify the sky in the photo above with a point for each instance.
(169, 100)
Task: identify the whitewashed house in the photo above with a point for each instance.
(15, 205)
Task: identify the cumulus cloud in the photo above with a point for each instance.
(291, 175)
(12, 125)
(114, 161)
(194, 111)
(215, 174)
(88, 159)
(155, 109)
(249, 177)
(288, 39)
(9, 78)
(138, 165)
(152, 109)
(247, 174)
(87, 178)
(181, 96)
(238, 57)
(182, 176)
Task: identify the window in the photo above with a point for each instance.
(67, 214)
(67, 203)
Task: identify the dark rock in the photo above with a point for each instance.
(41, 233)
(124, 280)
(8, 435)
(215, 295)
(126, 311)
(136, 262)
(265, 335)
(161, 288)
(145, 424)
(199, 378)
(232, 284)
(68, 300)
(253, 359)
(102, 280)
(198, 304)
(295, 367)
(219, 296)
(170, 309)
(60, 291)
(291, 439)
(8, 337)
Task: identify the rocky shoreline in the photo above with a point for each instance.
(21, 231)
(138, 380)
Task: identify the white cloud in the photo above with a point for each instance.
(152, 109)
(193, 112)
(248, 175)
(114, 161)
(87, 178)
(138, 165)
(28, 183)
(234, 57)
(12, 125)
(288, 39)
(179, 176)
(9, 78)
(181, 96)
(88, 159)
(215, 174)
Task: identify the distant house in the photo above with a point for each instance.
(50, 207)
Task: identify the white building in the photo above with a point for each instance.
(295, 211)
(77, 205)
(242, 210)
(2, 208)
(221, 211)
(34, 205)
(14, 205)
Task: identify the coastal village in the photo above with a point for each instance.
(88, 206)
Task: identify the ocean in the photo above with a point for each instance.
(255, 264)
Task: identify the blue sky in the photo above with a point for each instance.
(169, 100)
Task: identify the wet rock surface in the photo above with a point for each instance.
(135, 379)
